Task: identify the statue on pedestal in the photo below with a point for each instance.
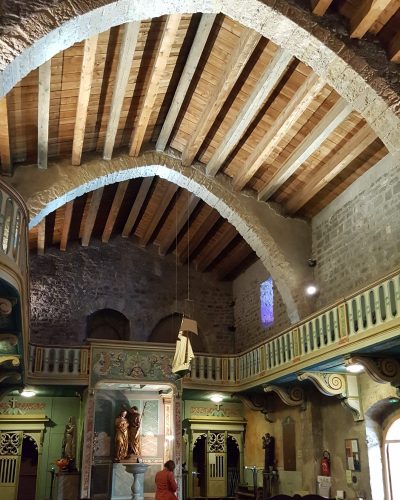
(68, 444)
(135, 421)
(269, 447)
(121, 437)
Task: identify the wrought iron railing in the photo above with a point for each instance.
(357, 321)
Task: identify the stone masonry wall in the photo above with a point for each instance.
(68, 286)
(356, 239)
(246, 293)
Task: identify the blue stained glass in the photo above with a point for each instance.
(267, 302)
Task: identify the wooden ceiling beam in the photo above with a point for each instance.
(128, 45)
(41, 237)
(319, 7)
(234, 66)
(158, 68)
(323, 175)
(85, 86)
(260, 94)
(137, 206)
(91, 216)
(114, 210)
(69, 207)
(240, 253)
(394, 49)
(214, 250)
(5, 147)
(335, 116)
(200, 40)
(211, 217)
(43, 113)
(166, 200)
(264, 149)
(183, 218)
(365, 15)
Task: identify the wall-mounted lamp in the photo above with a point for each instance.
(216, 398)
(355, 368)
(311, 290)
(28, 392)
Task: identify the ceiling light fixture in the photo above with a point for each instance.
(311, 290)
(216, 398)
(355, 368)
(28, 392)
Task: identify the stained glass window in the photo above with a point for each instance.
(267, 302)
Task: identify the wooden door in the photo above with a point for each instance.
(10, 460)
(216, 462)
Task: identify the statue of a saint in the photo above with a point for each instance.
(68, 445)
(135, 421)
(269, 447)
(121, 436)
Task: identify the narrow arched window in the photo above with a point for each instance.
(392, 459)
(267, 302)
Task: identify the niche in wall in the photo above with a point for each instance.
(108, 324)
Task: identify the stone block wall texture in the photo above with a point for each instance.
(246, 295)
(66, 287)
(356, 239)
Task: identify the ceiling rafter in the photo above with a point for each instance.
(128, 46)
(164, 49)
(237, 61)
(163, 206)
(43, 113)
(196, 50)
(346, 154)
(319, 7)
(213, 251)
(89, 57)
(233, 262)
(311, 87)
(182, 219)
(394, 48)
(41, 236)
(114, 210)
(260, 94)
(137, 206)
(91, 216)
(5, 147)
(335, 116)
(366, 14)
(211, 217)
(69, 207)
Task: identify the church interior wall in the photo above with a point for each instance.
(246, 295)
(67, 287)
(365, 217)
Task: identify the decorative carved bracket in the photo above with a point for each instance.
(4, 358)
(8, 338)
(382, 370)
(291, 396)
(256, 402)
(344, 386)
(6, 306)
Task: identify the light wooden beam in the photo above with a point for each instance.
(365, 15)
(184, 216)
(69, 207)
(260, 94)
(91, 216)
(89, 57)
(211, 217)
(283, 123)
(114, 210)
(41, 238)
(166, 200)
(394, 48)
(158, 68)
(215, 249)
(203, 31)
(128, 45)
(5, 148)
(233, 68)
(137, 206)
(319, 7)
(335, 116)
(353, 147)
(43, 113)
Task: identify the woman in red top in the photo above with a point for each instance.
(165, 482)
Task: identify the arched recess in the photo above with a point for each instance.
(165, 331)
(33, 35)
(282, 244)
(108, 324)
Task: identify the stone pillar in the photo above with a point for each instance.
(87, 456)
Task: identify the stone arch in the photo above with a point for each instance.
(44, 30)
(108, 324)
(282, 244)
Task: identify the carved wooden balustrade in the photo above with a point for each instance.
(367, 317)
